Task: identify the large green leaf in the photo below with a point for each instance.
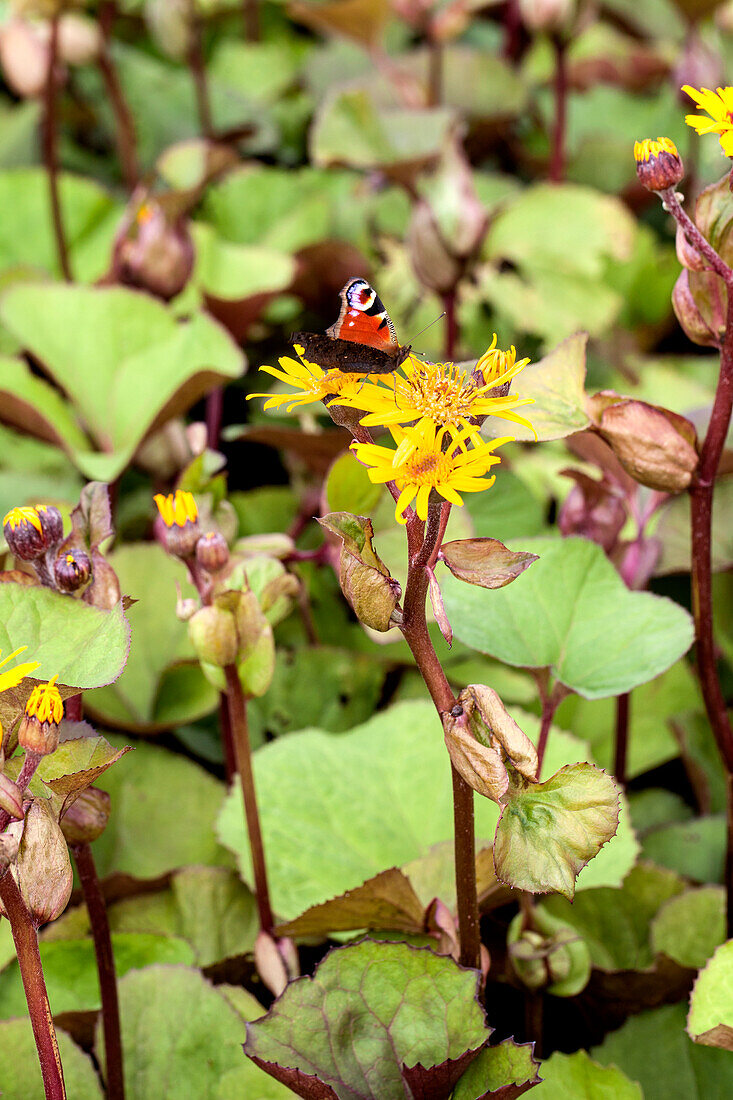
(235, 271)
(335, 811)
(89, 214)
(572, 613)
(20, 1071)
(651, 707)
(122, 357)
(689, 927)
(70, 970)
(577, 1076)
(182, 1037)
(710, 1020)
(556, 385)
(693, 848)
(506, 1071)
(159, 641)
(363, 1026)
(163, 812)
(654, 1049)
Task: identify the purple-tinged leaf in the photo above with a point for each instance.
(485, 562)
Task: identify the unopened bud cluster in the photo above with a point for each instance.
(181, 533)
(35, 535)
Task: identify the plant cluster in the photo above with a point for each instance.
(422, 642)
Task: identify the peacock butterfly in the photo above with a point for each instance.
(363, 339)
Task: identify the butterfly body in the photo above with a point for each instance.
(362, 340)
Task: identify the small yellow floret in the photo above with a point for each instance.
(18, 517)
(177, 509)
(45, 703)
(648, 148)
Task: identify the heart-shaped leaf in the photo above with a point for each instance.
(549, 831)
(123, 358)
(20, 1070)
(710, 1019)
(576, 1075)
(361, 1026)
(572, 613)
(74, 766)
(688, 928)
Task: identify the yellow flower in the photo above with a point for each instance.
(177, 509)
(430, 458)
(312, 382)
(18, 517)
(12, 676)
(45, 703)
(443, 393)
(648, 148)
(719, 105)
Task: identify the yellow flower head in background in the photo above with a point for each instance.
(177, 509)
(430, 458)
(312, 383)
(12, 676)
(719, 105)
(445, 394)
(45, 703)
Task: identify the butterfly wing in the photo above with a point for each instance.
(351, 358)
(363, 318)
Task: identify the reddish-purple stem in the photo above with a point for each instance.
(621, 739)
(557, 155)
(50, 154)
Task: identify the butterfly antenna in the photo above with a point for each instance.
(430, 324)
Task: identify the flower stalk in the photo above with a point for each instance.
(50, 151)
(25, 938)
(124, 122)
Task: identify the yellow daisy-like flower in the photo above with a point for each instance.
(719, 105)
(499, 366)
(45, 703)
(313, 383)
(177, 509)
(422, 463)
(443, 393)
(12, 676)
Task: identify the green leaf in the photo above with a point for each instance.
(27, 240)
(506, 1070)
(673, 530)
(615, 922)
(710, 1019)
(74, 766)
(386, 901)
(692, 848)
(508, 511)
(192, 1038)
(392, 775)
(651, 707)
(657, 806)
(70, 970)
(81, 644)
(549, 831)
(164, 812)
(556, 385)
(653, 1049)
(351, 129)
(234, 271)
(361, 1024)
(138, 700)
(577, 1076)
(123, 358)
(571, 612)
(689, 927)
(20, 1071)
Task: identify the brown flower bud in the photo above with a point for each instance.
(212, 552)
(655, 446)
(687, 254)
(43, 868)
(153, 253)
(87, 817)
(24, 58)
(9, 844)
(698, 300)
(432, 262)
(213, 634)
(39, 729)
(179, 516)
(658, 164)
(72, 570)
(30, 532)
(592, 509)
(11, 797)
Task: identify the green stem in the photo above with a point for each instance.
(97, 910)
(25, 938)
(243, 755)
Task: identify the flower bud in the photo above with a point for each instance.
(23, 57)
(212, 552)
(435, 266)
(655, 446)
(702, 313)
(39, 729)
(72, 570)
(80, 39)
(213, 634)
(546, 16)
(30, 532)
(87, 817)
(43, 868)
(153, 253)
(179, 515)
(658, 164)
(11, 797)
(593, 509)
(688, 255)
(9, 844)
